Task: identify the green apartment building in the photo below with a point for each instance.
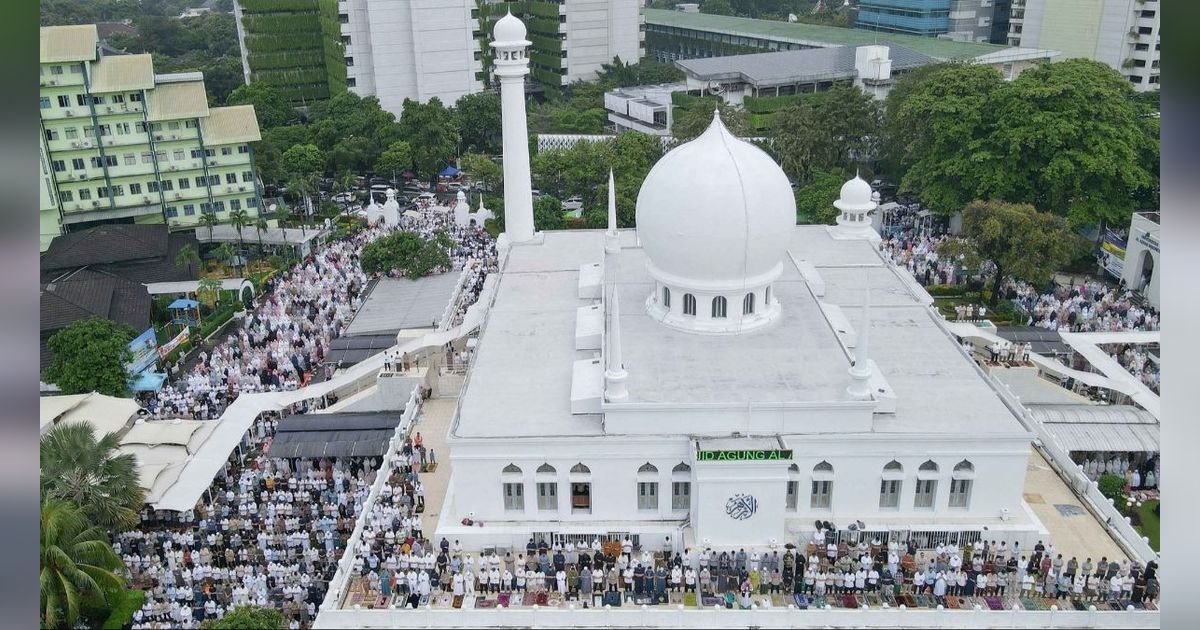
(120, 144)
(294, 46)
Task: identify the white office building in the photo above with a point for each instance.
(596, 31)
(410, 49)
(721, 376)
(1121, 33)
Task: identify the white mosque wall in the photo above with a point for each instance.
(749, 419)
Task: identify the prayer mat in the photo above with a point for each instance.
(469, 601)
(994, 603)
(443, 601)
(953, 603)
(504, 599)
(782, 601)
(414, 600)
(907, 599)
(597, 600)
(874, 600)
(517, 599)
(380, 602)
(1149, 605)
(542, 598)
(485, 603)
(1079, 605)
(689, 599)
(612, 598)
(1114, 605)
(1029, 603)
(848, 601)
(674, 598)
(730, 599)
(801, 601)
(457, 602)
(424, 601)
(709, 602)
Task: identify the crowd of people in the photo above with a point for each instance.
(1088, 307)
(269, 531)
(1138, 362)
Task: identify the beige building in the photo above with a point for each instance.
(121, 144)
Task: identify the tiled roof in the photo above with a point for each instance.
(230, 125)
(122, 73)
(172, 101)
(108, 243)
(86, 293)
(68, 43)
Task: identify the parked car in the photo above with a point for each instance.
(454, 187)
(344, 197)
(427, 196)
(572, 203)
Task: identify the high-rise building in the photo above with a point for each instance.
(571, 39)
(411, 49)
(961, 20)
(293, 46)
(121, 144)
(1120, 33)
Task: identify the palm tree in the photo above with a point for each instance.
(211, 286)
(77, 467)
(77, 562)
(261, 226)
(210, 221)
(282, 216)
(225, 253)
(238, 219)
(187, 257)
(346, 183)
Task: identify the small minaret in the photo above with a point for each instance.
(612, 240)
(511, 67)
(860, 372)
(614, 373)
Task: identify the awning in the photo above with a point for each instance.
(334, 435)
(182, 303)
(147, 381)
(449, 171)
(1113, 428)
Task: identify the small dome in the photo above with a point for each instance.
(509, 29)
(715, 213)
(855, 195)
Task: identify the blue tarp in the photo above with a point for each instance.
(449, 171)
(183, 303)
(147, 381)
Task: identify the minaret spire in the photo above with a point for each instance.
(615, 374)
(860, 372)
(612, 240)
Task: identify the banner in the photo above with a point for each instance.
(173, 343)
(1111, 237)
(1113, 264)
(143, 352)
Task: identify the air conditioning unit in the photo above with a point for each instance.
(108, 109)
(229, 189)
(173, 168)
(52, 82)
(174, 136)
(212, 162)
(95, 204)
(158, 136)
(74, 145)
(178, 196)
(78, 206)
(70, 113)
(145, 200)
(108, 142)
(195, 165)
(124, 107)
(241, 188)
(87, 144)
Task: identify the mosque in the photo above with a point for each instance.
(718, 376)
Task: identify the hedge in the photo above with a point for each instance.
(277, 6)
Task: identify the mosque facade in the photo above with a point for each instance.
(719, 376)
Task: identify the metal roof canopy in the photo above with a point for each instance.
(335, 435)
(1104, 428)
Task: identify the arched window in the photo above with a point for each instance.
(666, 298)
(823, 467)
(893, 467)
(748, 304)
(926, 485)
(689, 304)
(718, 307)
(580, 469)
(964, 468)
(767, 297)
(647, 468)
(681, 468)
(511, 469)
(821, 497)
(793, 487)
(547, 469)
(960, 484)
(928, 466)
(889, 486)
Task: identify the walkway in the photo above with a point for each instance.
(434, 425)
(1073, 528)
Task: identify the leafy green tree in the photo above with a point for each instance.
(407, 253)
(303, 186)
(187, 257)
(91, 473)
(210, 221)
(261, 226)
(479, 124)
(225, 253)
(396, 159)
(302, 160)
(351, 154)
(432, 132)
(1070, 138)
(77, 562)
(481, 168)
(814, 200)
(238, 219)
(716, 7)
(270, 107)
(826, 130)
(247, 617)
(548, 214)
(645, 72)
(1111, 486)
(90, 356)
(692, 122)
(211, 287)
(1020, 241)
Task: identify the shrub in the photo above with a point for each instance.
(1111, 486)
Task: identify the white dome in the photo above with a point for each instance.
(509, 29)
(715, 213)
(855, 195)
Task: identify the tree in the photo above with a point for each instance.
(210, 221)
(302, 160)
(480, 168)
(271, 109)
(814, 200)
(407, 253)
(238, 219)
(77, 562)
(826, 130)
(548, 214)
(211, 287)
(303, 186)
(282, 217)
(261, 226)
(716, 7)
(1020, 241)
(479, 124)
(91, 473)
(693, 121)
(1111, 486)
(396, 159)
(90, 356)
(187, 257)
(246, 617)
(351, 154)
(432, 132)
(1070, 138)
(224, 253)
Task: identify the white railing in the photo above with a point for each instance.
(337, 586)
(455, 298)
(679, 617)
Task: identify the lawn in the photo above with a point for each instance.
(1149, 522)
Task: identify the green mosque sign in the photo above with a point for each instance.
(753, 455)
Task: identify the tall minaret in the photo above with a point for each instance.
(614, 373)
(511, 66)
(860, 372)
(612, 240)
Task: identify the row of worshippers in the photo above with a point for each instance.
(1089, 307)
(1137, 361)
